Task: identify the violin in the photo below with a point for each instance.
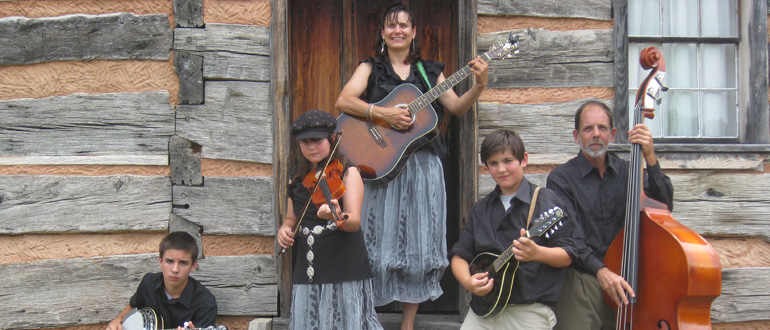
(329, 179)
(331, 187)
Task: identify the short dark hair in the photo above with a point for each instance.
(502, 140)
(582, 107)
(180, 240)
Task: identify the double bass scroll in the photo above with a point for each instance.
(674, 272)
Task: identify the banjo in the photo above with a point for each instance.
(147, 319)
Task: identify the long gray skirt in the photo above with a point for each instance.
(404, 224)
(344, 306)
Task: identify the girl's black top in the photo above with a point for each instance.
(338, 256)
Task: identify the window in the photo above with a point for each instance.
(700, 41)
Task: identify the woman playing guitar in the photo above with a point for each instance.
(406, 220)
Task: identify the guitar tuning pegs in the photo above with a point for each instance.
(547, 235)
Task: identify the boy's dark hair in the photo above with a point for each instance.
(501, 140)
(180, 240)
(582, 107)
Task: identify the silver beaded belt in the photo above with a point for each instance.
(317, 230)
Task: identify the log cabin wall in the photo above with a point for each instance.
(568, 57)
(122, 121)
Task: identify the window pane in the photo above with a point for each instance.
(680, 18)
(719, 18)
(719, 114)
(680, 114)
(645, 20)
(681, 66)
(718, 69)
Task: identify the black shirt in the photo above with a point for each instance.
(599, 203)
(196, 303)
(491, 228)
(338, 256)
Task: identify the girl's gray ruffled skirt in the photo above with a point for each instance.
(343, 306)
(404, 224)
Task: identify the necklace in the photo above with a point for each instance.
(402, 75)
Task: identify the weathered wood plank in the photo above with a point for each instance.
(234, 38)
(235, 123)
(185, 162)
(116, 36)
(553, 59)
(231, 66)
(189, 67)
(188, 13)
(81, 291)
(745, 295)
(544, 128)
(50, 204)
(593, 9)
(236, 206)
(86, 160)
(723, 203)
(136, 124)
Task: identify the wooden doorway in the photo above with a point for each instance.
(327, 40)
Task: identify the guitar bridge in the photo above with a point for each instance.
(376, 135)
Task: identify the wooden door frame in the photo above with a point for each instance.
(466, 127)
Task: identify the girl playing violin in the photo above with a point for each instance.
(332, 280)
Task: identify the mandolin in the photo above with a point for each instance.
(502, 269)
(379, 151)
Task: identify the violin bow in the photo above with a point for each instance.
(310, 199)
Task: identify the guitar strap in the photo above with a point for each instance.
(532, 208)
(423, 74)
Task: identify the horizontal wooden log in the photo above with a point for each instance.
(135, 124)
(228, 206)
(233, 38)
(723, 203)
(118, 36)
(235, 122)
(81, 291)
(85, 160)
(55, 204)
(544, 128)
(230, 66)
(745, 295)
(593, 9)
(553, 59)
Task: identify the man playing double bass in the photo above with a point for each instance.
(595, 187)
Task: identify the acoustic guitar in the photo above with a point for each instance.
(380, 151)
(146, 319)
(502, 269)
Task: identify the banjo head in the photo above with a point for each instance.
(142, 319)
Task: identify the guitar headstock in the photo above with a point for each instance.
(544, 223)
(500, 50)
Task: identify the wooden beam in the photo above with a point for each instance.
(553, 59)
(112, 124)
(76, 204)
(235, 122)
(593, 9)
(118, 36)
(228, 206)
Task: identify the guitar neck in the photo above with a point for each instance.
(425, 99)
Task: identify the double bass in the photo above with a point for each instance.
(674, 272)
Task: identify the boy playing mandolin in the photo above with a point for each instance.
(175, 296)
(521, 292)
